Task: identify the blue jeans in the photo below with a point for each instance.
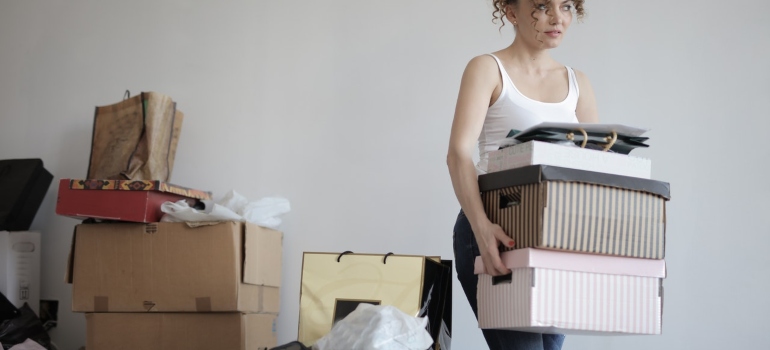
(466, 250)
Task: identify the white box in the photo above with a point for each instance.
(20, 268)
(572, 293)
(544, 153)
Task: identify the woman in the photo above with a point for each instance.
(514, 88)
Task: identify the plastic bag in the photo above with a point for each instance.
(232, 207)
(28, 345)
(26, 326)
(377, 327)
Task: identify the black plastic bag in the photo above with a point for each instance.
(7, 309)
(26, 326)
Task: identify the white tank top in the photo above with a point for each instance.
(513, 110)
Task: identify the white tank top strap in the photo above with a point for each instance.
(573, 84)
(503, 74)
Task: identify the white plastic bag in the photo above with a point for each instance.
(232, 207)
(377, 327)
(28, 344)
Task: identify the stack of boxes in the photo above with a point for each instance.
(589, 228)
(177, 285)
(147, 284)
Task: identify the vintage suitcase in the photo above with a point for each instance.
(121, 200)
(23, 185)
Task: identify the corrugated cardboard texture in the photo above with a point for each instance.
(558, 301)
(581, 217)
(170, 267)
(189, 331)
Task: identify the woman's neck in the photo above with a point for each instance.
(528, 58)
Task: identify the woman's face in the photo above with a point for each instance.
(552, 20)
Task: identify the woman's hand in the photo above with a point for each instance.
(489, 236)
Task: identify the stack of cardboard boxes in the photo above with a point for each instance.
(589, 228)
(177, 285)
(147, 284)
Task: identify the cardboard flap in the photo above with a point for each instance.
(568, 261)
(262, 261)
(539, 173)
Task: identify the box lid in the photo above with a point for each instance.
(136, 185)
(569, 261)
(589, 127)
(540, 173)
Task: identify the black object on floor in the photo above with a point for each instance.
(295, 345)
(7, 309)
(23, 185)
(25, 326)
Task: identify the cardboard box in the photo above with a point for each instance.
(172, 267)
(20, 268)
(121, 200)
(544, 153)
(333, 285)
(572, 293)
(550, 207)
(23, 185)
(174, 331)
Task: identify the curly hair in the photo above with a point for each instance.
(499, 12)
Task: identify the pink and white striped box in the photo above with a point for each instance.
(572, 293)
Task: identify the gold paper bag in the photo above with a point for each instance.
(333, 285)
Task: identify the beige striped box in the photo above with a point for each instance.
(573, 293)
(567, 209)
(545, 153)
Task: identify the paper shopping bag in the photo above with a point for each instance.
(334, 284)
(135, 139)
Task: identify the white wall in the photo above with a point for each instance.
(344, 107)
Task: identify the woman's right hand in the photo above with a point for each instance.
(488, 237)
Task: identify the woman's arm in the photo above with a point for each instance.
(479, 81)
(586, 106)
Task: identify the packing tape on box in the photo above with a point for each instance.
(203, 304)
(101, 304)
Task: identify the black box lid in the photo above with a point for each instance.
(539, 173)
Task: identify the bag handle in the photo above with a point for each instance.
(610, 139)
(571, 136)
(384, 259)
(343, 253)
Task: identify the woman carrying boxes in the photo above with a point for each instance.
(513, 89)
